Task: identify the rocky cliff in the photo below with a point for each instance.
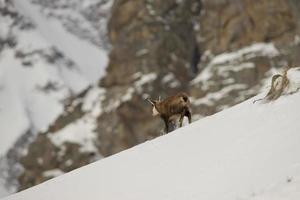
(220, 52)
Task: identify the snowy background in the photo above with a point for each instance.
(45, 59)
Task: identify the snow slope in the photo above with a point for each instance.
(250, 151)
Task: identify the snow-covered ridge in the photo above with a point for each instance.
(42, 66)
(82, 131)
(90, 59)
(235, 73)
(257, 49)
(231, 60)
(249, 151)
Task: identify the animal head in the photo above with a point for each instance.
(154, 103)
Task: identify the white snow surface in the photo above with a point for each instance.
(249, 151)
(53, 173)
(3, 191)
(22, 103)
(262, 49)
(90, 59)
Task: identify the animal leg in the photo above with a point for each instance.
(189, 116)
(181, 119)
(166, 124)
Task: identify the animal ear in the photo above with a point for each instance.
(151, 101)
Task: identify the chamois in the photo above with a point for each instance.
(171, 108)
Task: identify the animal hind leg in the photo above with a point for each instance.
(166, 125)
(181, 119)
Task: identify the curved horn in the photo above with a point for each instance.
(150, 101)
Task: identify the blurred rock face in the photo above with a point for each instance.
(229, 25)
(150, 38)
(218, 51)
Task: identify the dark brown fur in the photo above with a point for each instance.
(178, 104)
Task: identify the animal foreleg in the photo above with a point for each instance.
(189, 116)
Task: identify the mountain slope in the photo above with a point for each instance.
(250, 151)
